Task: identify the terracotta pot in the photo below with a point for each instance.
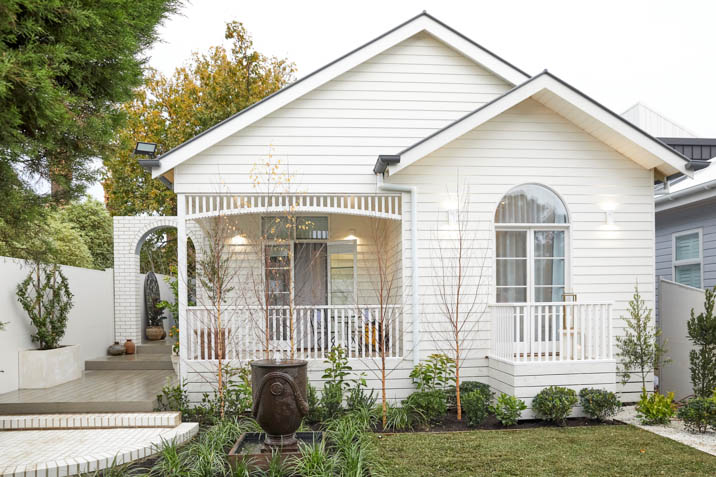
(279, 393)
(115, 349)
(154, 333)
(129, 347)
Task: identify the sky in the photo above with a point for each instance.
(660, 53)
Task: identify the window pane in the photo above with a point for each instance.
(688, 275)
(342, 279)
(549, 271)
(687, 247)
(512, 272)
(276, 228)
(312, 228)
(531, 204)
(547, 294)
(549, 243)
(511, 243)
(511, 295)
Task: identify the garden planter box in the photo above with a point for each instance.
(46, 368)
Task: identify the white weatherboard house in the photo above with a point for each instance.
(560, 198)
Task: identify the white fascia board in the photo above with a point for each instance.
(543, 81)
(294, 91)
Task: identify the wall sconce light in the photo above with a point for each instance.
(351, 235)
(238, 240)
(609, 217)
(452, 217)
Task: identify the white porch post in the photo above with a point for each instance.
(182, 278)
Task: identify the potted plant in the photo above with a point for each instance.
(155, 315)
(46, 298)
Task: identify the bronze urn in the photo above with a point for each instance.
(279, 392)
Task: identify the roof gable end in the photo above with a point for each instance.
(422, 22)
(570, 103)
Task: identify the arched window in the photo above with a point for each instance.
(531, 227)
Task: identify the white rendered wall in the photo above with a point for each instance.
(90, 322)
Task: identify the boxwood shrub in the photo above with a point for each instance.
(430, 404)
(554, 404)
(599, 403)
(476, 406)
(698, 414)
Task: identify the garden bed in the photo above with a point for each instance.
(449, 423)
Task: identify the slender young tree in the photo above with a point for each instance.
(702, 333)
(216, 275)
(639, 348)
(456, 263)
(384, 272)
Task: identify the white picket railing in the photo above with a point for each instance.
(314, 329)
(382, 206)
(564, 331)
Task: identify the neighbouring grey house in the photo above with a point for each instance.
(685, 240)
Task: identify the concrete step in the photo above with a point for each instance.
(155, 347)
(128, 362)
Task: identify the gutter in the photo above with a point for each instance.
(413, 191)
(685, 192)
(148, 164)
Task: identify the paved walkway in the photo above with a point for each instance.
(675, 431)
(60, 451)
(96, 391)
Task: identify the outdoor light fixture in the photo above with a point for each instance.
(609, 217)
(351, 235)
(145, 149)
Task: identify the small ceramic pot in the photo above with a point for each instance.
(129, 347)
(154, 333)
(115, 349)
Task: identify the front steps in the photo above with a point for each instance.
(150, 356)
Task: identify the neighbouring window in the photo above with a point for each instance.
(687, 247)
(531, 228)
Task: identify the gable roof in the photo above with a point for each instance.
(422, 22)
(570, 103)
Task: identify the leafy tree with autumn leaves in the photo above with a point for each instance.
(172, 110)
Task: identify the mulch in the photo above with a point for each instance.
(449, 423)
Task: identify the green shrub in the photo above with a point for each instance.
(476, 406)
(655, 408)
(437, 372)
(554, 404)
(701, 330)
(314, 460)
(332, 400)
(359, 397)
(46, 298)
(466, 387)
(508, 409)
(430, 404)
(599, 403)
(698, 414)
(315, 412)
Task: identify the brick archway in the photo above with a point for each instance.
(129, 235)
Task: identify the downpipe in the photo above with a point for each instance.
(415, 298)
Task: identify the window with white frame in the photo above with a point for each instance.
(324, 272)
(531, 227)
(687, 257)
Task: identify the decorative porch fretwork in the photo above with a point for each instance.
(381, 206)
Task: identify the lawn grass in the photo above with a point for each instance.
(592, 451)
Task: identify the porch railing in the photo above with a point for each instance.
(309, 331)
(564, 331)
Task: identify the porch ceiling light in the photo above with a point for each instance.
(145, 149)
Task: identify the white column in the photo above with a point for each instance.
(183, 278)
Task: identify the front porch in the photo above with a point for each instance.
(534, 345)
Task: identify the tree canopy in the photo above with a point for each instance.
(171, 110)
(65, 65)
